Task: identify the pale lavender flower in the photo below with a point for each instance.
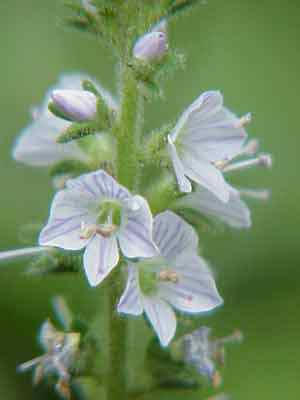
(206, 353)
(206, 137)
(60, 352)
(178, 277)
(37, 144)
(75, 105)
(152, 46)
(96, 213)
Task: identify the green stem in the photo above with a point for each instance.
(116, 377)
(128, 132)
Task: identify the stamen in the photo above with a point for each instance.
(87, 231)
(250, 148)
(221, 164)
(236, 337)
(105, 230)
(263, 194)
(30, 364)
(263, 160)
(168, 276)
(244, 120)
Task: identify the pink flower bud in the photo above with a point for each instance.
(75, 105)
(151, 46)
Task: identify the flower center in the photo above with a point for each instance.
(154, 271)
(105, 230)
(110, 212)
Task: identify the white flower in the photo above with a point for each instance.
(152, 46)
(75, 105)
(178, 278)
(37, 144)
(206, 136)
(95, 212)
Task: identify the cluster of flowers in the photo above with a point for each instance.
(115, 227)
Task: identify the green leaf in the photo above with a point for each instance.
(69, 167)
(180, 6)
(76, 131)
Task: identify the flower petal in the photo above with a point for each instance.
(37, 144)
(195, 290)
(162, 318)
(69, 209)
(100, 257)
(99, 184)
(173, 235)
(205, 174)
(210, 129)
(235, 212)
(131, 300)
(183, 183)
(135, 236)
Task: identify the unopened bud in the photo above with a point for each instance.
(74, 105)
(152, 46)
(161, 26)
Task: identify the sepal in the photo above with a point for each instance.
(69, 167)
(55, 261)
(77, 130)
(168, 372)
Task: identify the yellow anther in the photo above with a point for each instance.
(244, 120)
(87, 231)
(220, 164)
(105, 230)
(168, 276)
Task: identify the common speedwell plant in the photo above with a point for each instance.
(128, 205)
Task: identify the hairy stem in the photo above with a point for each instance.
(116, 378)
(128, 134)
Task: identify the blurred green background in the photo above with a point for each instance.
(249, 49)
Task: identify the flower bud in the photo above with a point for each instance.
(151, 46)
(75, 105)
(89, 6)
